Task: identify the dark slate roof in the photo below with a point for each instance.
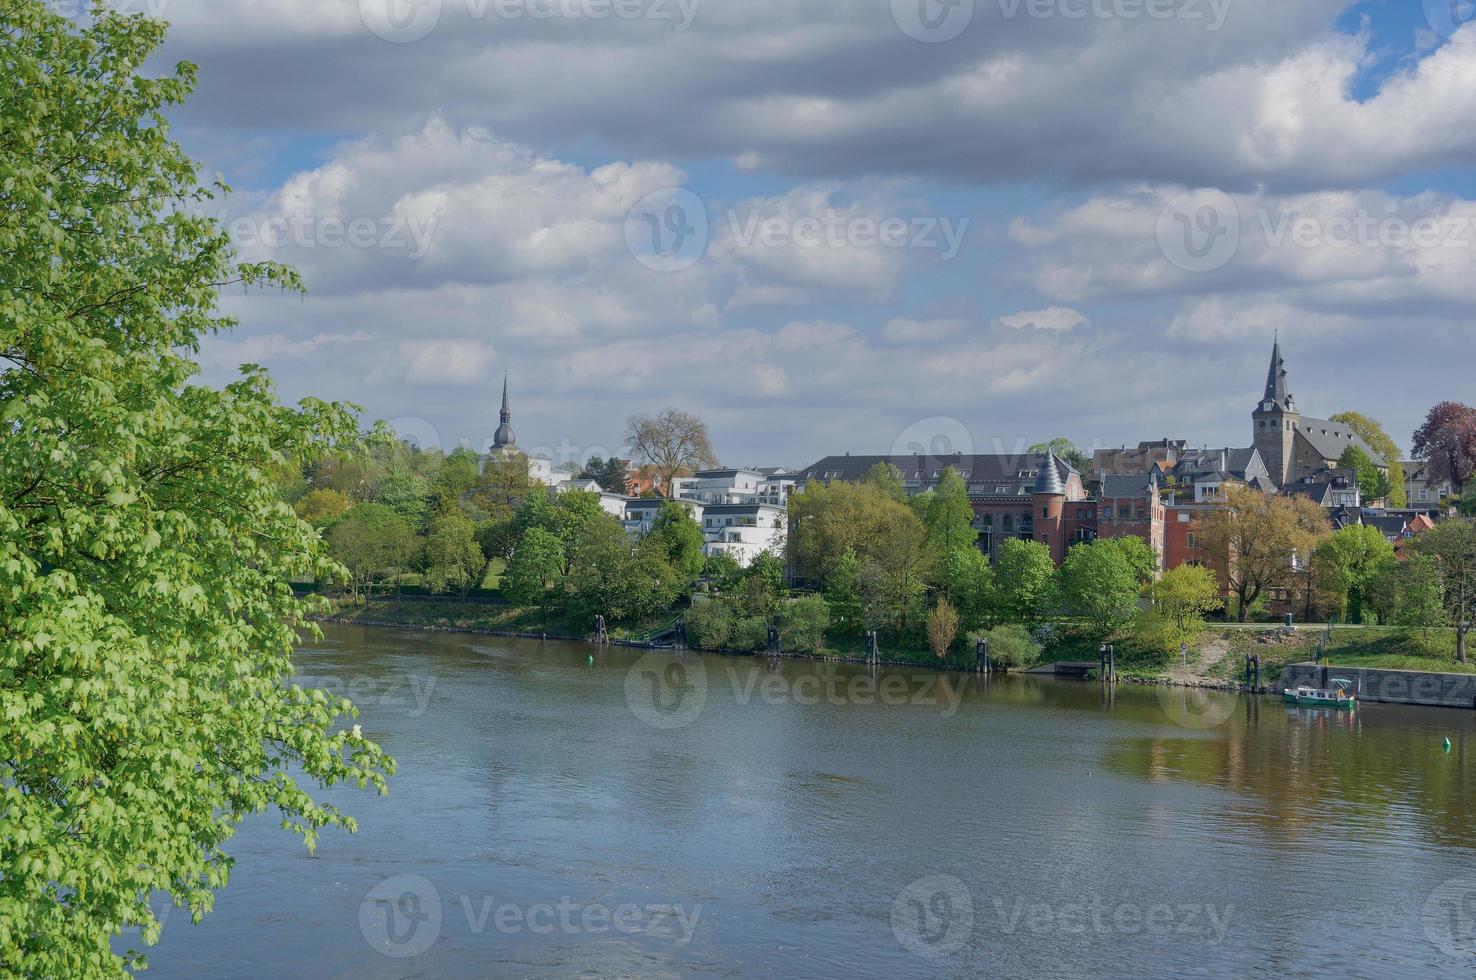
(986, 475)
(1049, 480)
(1390, 525)
(1319, 486)
(1116, 487)
(1202, 461)
(1332, 438)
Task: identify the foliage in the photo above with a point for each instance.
(722, 571)
(1025, 579)
(968, 581)
(1012, 646)
(372, 542)
(1139, 555)
(886, 478)
(1185, 594)
(942, 628)
(1348, 563)
(608, 473)
(318, 507)
(1446, 441)
(1371, 432)
(710, 624)
(453, 560)
(1254, 541)
(535, 569)
(679, 538)
(456, 479)
(843, 596)
(1160, 637)
(672, 442)
(950, 517)
(1451, 544)
(749, 634)
(503, 484)
(1372, 484)
(1466, 506)
(802, 623)
(609, 576)
(1418, 598)
(1100, 585)
(1066, 450)
(146, 621)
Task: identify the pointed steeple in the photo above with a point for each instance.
(1276, 390)
(504, 438)
(1048, 482)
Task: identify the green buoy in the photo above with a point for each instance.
(1447, 743)
(592, 660)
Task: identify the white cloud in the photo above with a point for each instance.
(905, 330)
(451, 362)
(1058, 319)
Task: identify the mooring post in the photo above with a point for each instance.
(1253, 672)
(981, 656)
(601, 637)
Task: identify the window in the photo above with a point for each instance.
(1191, 540)
(1107, 513)
(1045, 512)
(1009, 523)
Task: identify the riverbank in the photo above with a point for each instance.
(1216, 662)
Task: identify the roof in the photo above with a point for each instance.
(1390, 525)
(1115, 487)
(986, 475)
(1049, 481)
(1234, 462)
(1331, 439)
(738, 508)
(724, 472)
(1319, 486)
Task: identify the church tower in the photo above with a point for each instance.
(504, 440)
(1275, 420)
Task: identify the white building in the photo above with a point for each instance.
(745, 531)
(742, 512)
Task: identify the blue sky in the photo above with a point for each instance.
(1058, 182)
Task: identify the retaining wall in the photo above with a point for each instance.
(1390, 686)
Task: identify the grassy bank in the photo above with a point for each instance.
(452, 614)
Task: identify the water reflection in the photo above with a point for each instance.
(832, 820)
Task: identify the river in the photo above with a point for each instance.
(657, 814)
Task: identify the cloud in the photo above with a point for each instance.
(224, 352)
(905, 330)
(451, 362)
(1059, 319)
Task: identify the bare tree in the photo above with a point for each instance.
(673, 442)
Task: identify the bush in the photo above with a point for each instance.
(1012, 646)
(749, 634)
(1157, 637)
(709, 624)
(802, 624)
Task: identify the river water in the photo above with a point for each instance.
(655, 814)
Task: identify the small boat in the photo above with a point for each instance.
(1338, 696)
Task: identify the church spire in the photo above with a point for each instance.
(504, 438)
(1276, 389)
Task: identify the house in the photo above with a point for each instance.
(1330, 489)
(1161, 454)
(745, 531)
(1206, 471)
(1420, 491)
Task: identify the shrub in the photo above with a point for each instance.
(802, 623)
(1012, 646)
(749, 634)
(709, 624)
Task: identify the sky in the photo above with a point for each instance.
(873, 226)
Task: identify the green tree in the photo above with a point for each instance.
(722, 570)
(1066, 450)
(573, 511)
(534, 570)
(1347, 564)
(1011, 646)
(1418, 598)
(319, 507)
(1025, 579)
(456, 479)
(1100, 585)
(1254, 541)
(1140, 557)
(710, 624)
(372, 542)
(680, 540)
(146, 621)
(843, 595)
(1371, 432)
(608, 473)
(1185, 594)
(408, 494)
(453, 559)
(609, 577)
(888, 480)
(968, 581)
(503, 484)
(802, 624)
(950, 516)
(1451, 544)
(1371, 482)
